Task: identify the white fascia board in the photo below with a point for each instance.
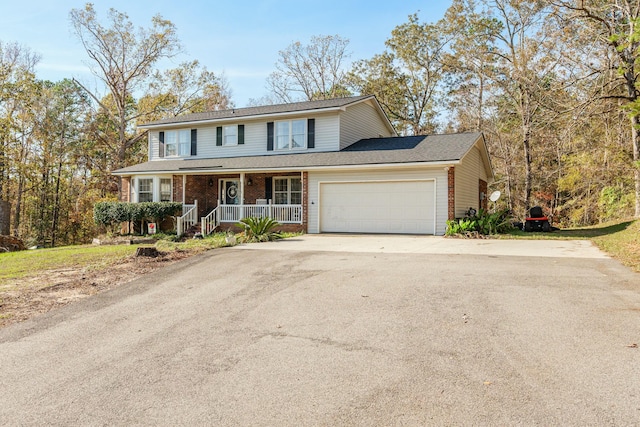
(212, 171)
(239, 118)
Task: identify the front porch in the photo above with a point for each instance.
(221, 201)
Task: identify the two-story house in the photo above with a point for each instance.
(320, 166)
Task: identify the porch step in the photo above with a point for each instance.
(193, 230)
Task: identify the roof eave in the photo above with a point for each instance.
(260, 116)
(217, 170)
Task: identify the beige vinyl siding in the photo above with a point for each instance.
(468, 172)
(327, 133)
(390, 174)
(361, 121)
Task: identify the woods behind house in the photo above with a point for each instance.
(551, 83)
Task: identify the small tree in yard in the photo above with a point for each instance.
(259, 229)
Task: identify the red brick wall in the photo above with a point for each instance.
(205, 189)
(177, 188)
(452, 192)
(482, 190)
(198, 188)
(125, 183)
(256, 190)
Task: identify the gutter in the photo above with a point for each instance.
(219, 170)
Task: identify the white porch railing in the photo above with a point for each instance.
(284, 214)
(189, 218)
(210, 222)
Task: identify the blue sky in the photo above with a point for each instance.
(238, 38)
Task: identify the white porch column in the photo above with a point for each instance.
(184, 189)
(241, 195)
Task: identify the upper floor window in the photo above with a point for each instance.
(177, 143)
(230, 135)
(291, 135)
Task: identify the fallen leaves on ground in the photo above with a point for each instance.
(51, 289)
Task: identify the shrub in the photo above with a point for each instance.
(482, 222)
(111, 214)
(259, 229)
(615, 203)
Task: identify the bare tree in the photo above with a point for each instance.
(189, 88)
(17, 64)
(614, 24)
(313, 71)
(122, 57)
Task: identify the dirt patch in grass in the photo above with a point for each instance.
(54, 288)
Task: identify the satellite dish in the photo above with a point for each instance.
(494, 196)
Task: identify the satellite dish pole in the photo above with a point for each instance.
(494, 198)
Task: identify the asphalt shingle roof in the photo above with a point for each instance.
(262, 110)
(408, 149)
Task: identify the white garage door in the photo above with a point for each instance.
(377, 207)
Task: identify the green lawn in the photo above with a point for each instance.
(622, 243)
(14, 265)
(619, 240)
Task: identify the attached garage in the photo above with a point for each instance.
(407, 207)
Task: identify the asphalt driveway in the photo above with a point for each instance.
(279, 334)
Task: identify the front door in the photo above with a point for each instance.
(230, 191)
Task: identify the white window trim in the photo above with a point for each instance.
(155, 187)
(186, 145)
(289, 147)
(140, 192)
(224, 135)
(289, 186)
(160, 188)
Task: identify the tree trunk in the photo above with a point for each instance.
(480, 101)
(3, 190)
(635, 135)
(635, 122)
(16, 217)
(5, 217)
(43, 208)
(56, 208)
(526, 135)
(122, 157)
